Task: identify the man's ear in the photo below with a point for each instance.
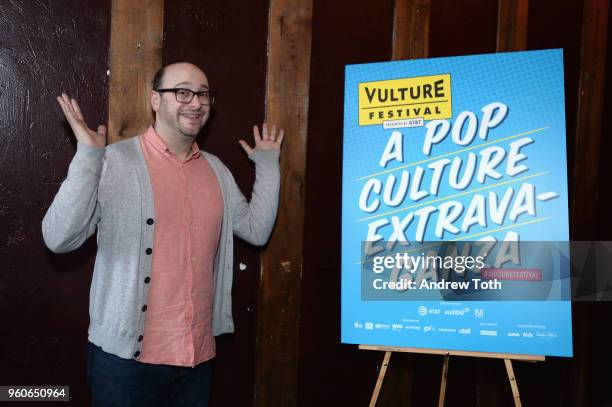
(155, 100)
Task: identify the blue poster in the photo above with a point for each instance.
(454, 205)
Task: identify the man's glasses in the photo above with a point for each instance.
(186, 95)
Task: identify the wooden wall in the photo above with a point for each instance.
(46, 48)
(57, 46)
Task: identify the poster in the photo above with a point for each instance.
(455, 206)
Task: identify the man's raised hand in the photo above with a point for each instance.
(83, 134)
(266, 141)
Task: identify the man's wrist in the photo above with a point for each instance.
(89, 150)
(265, 157)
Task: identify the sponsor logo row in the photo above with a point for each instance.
(462, 331)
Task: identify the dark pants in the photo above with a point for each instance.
(114, 381)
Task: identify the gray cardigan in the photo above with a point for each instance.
(109, 189)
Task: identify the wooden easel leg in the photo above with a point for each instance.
(443, 381)
(381, 376)
(513, 385)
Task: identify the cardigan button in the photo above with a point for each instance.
(144, 308)
(149, 250)
(147, 280)
(140, 338)
(150, 221)
(137, 353)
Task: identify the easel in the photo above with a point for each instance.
(507, 357)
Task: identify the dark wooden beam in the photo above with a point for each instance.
(411, 29)
(586, 178)
(278, 312)
(137, 31)
(410, 41)
(586, 181)
(512, 25)
(589, 119)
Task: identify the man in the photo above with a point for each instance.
(165, 213)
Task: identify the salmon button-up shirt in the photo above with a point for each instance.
(188, 211)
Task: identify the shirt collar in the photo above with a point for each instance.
(158, 143)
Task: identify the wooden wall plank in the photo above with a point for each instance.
(411, 29)
(338, 38)
(135, 55)
(589, 119)
(278, 313)
(410, 40)
(512, 25)
(586, 177)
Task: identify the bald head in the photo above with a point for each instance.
(172, 69)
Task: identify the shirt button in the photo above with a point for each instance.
(140, 338)
(147, 279)
(149, 250)
(144, 308)
(150, 221)
(137, 353)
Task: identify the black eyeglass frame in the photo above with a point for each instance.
(211, 94)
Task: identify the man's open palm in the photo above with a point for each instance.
(266, 141)
(82, 132)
